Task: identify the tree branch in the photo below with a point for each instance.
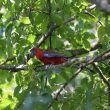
(101, 75)
(49, 7)
(64, 85)
(102, 57)
(83, 51)
(79, 70)
(90, 14)
(81, 61)
(50, 31)
(74, 75)
(14, 68)
(50, 23)
(91, 7)
(104, 80)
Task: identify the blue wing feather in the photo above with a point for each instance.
(53, 54)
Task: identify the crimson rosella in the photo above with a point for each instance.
(51, 57)
(48, 57)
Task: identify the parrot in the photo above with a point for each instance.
(48, 56)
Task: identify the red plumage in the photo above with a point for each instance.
(48, 57)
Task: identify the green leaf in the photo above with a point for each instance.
(25, 20)
(1, 1)
(107, 29)
(101, 31)
(38, 18)
(57, 19)
(31, 38)
(86, 44)
(89, 35)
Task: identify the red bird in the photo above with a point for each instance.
(48, 57)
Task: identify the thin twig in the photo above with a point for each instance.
(50, 23)
(90, 14)
(101, 75)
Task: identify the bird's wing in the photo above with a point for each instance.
(50, 54)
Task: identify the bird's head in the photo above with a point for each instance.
(33, 52)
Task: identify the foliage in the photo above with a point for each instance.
(22, 23)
